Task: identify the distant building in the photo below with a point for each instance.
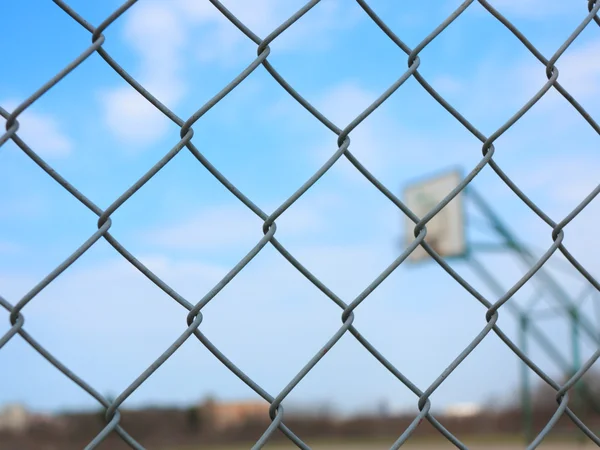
(383, 408)
(463, 410)
(223, 415)
(14, 417)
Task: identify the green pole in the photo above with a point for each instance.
(526, 409)
(540, 338)
(553, 287)
(578, 322)
(575, 340)
(579, 393)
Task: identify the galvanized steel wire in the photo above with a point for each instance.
(194, 318)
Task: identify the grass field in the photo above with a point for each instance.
(416, 444)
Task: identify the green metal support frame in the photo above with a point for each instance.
(527, 327)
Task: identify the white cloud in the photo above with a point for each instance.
(448, 85)
(533, 9)
(158, 34)
(131, 118)
(558, 184)
(41, 131)
(229, 227)
(581, 173)
(154, 30)
(345, 101)
(221, 227)
(107, 315)
(341, 104)
(317, 29)
(262, 17)
(382, 143)
(579, 74)
(168, 36)
(579, 70)
(226, 41)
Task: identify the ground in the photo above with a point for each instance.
(415, 444)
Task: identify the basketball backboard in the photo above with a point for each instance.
(446, 230)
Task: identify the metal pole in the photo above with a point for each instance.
(527, 257)
(534, 331)
(575, 341)
(579, 386)
(526, 407)
(544, 342)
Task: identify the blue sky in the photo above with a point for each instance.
(107, 322)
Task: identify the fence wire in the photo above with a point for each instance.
(194, 318)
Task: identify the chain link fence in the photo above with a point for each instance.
(194, 318)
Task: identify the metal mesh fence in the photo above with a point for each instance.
(194, 318)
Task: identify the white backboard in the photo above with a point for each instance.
(445, 231)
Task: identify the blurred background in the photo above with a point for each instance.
(107, 322)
